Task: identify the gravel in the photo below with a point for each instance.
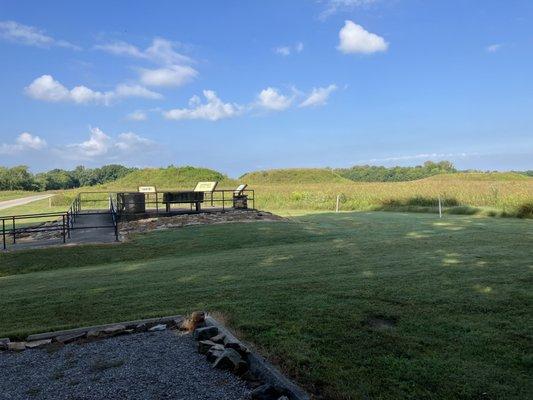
(151, 365)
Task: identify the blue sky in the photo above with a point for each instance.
(240, 86)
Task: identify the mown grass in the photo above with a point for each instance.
(455, 292)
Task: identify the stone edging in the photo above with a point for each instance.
(261, 368)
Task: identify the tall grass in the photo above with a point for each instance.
(503, 197)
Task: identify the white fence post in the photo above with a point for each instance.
(337, 206)
(440, 208)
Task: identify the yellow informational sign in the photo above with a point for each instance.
(147, 189)
(205, 186)
(240, 189)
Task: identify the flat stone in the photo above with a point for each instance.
(16, 346)
(94, 334)
(157, 328)
(205, 333)
(236, 345)
(141, 327)
(215, 352)
(69, 337)
(204, 346)
(3, 343)
(231, 360)
(38, 343)
(114, 329)
(219, 338)
(266, 392)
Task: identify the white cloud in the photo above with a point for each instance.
(355, 39)
(318, 96)
(213, 109)
(161, 51)
(283, 50)
(271, 99)
(132, 142)
(288, 50)
(25, 141)
(493, 48)
(46, 88)
(102, 146)
(334, 6)
(30, 36)
(174, 75)
(137, 116)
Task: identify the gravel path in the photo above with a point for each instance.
(154, 365)
(23, 200)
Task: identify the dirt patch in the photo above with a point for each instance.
(381, 323)
(178, 221)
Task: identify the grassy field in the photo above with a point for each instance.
(352, 305)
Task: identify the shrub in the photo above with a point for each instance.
(525, 210)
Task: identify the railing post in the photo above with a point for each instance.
(64, 235)
(4, 232)
(223, 201)
(14, 232)
(68, 224)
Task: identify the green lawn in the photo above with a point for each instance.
(310, 294)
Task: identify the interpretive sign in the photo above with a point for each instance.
(205, 186)
(240, 189)
(147, 189)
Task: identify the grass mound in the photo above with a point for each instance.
(167, 178)
(293, 176)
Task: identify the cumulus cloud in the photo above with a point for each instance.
(288, 50)
(100, 146)
(272, 99)
(30, 36)
(213, 109)
(161, 51)
(318, 96)
(137, 115)
(46, 88)
(334, 6)
(174, 75)
(25, 141)
(493, 48)
(354, 38)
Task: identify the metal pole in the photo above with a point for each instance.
(223, 202)
(14, 232)
(4, 232)
(337, 206)
(440, 208)
(68, 224)
(64, 236)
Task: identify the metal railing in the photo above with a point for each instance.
(14, 227)
(217, 200)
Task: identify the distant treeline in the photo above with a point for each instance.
(372, 173)
(20, 178)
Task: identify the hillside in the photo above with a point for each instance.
(168, 178)
(293, 176)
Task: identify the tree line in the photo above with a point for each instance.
(20, 178)
(372, 173)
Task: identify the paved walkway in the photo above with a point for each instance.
(88, 229)
(24, 200)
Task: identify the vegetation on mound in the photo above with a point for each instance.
(167, 178)
(291, 176)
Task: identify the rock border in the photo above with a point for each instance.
(221, 347)
(275, 384)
